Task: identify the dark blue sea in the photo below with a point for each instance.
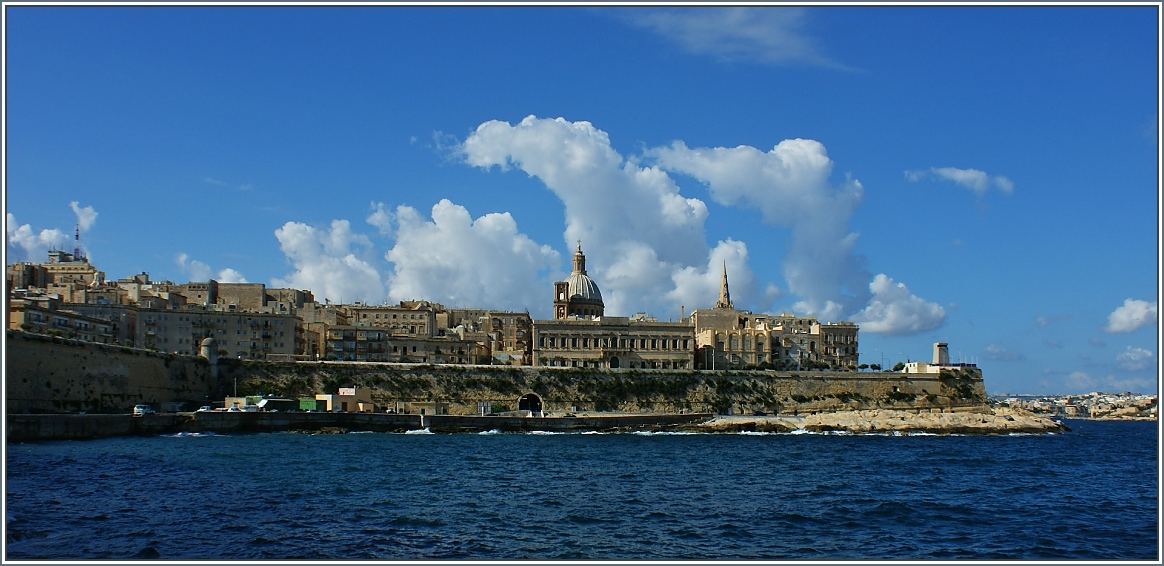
(1091, 493)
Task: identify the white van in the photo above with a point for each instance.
(139, 410)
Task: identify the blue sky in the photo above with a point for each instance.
(984, 176)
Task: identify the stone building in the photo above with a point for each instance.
(41, 314)
(728, 338)
(416, 318)
(242, 335)
(581, 336)
(357, 343)
(64, 268)
(506, 336)
(437, 350)
(613, 342)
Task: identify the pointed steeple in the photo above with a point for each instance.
(579, 260)
(725, 298)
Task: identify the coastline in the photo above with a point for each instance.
(33, 427)
(888, 421)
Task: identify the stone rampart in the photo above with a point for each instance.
(563, 390)
(46, 374)
(52, 374)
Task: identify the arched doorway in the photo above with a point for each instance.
(530, 402)
(614, 362)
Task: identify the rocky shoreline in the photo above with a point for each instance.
(990, 421)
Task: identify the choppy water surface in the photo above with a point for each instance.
(1087, 494)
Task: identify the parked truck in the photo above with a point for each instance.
(272, 404)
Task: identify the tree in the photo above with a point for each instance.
(863, 366)
(898, 366)
(875, 367)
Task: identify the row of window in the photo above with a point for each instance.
(409, 317)
(573, 342)
(651, 364)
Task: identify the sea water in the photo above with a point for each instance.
(1091, 493)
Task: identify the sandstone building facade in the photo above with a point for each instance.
(728, 338)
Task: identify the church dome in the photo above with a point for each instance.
(580, 287)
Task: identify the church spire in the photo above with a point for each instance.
(579, 260)
(725, 298)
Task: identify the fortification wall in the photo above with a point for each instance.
(578, 390)
(47, 374)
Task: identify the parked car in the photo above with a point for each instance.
(139, 410)
(205, 409)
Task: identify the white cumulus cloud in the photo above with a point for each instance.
(1133, 314)
(694, 286)
(894, 310)
(198, 271)
(329, 262)
(1135, 359)
(195, 270)
(646, 243)
(229, 275)
(86, 216)
(973, 179)
(381, 218)
(25, 244)
(457, 260)
(635, 227)
(790, 186)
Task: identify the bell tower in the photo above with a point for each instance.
(561, 299)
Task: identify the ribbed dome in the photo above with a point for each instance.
(580, 287)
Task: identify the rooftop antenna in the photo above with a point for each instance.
(77, 246)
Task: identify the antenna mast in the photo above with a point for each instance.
(77, 245)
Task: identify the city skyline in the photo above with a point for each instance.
(981, 176)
